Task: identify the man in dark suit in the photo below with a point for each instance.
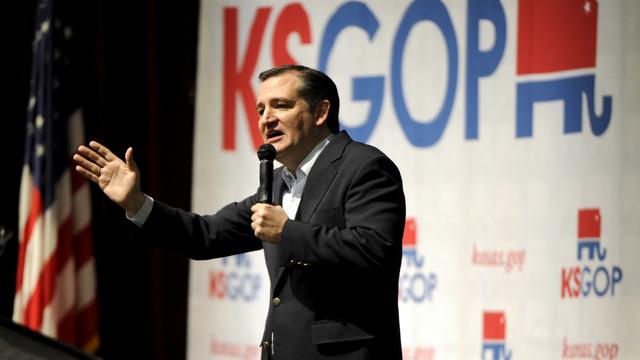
(332, 242)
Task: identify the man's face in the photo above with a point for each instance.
(285, 120)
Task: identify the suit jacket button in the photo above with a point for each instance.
(276, 301)
(265, 345)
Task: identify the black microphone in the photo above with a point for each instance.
(266, 154)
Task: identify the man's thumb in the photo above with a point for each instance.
(131, 163)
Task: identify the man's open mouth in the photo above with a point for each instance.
(274, 133)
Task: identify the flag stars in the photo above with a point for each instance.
(32, 103)
(68, 32)
(587, 7)
(44, 28)
(39, 121)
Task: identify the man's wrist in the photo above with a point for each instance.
(134, 204)
(141, 216)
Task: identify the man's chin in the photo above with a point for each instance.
(277, 143)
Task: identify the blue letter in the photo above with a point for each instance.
(427, 134)
(481, 63)
(364, 88)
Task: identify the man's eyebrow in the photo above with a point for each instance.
(274, 100)
(280, 99)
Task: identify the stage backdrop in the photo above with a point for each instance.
(516, 127)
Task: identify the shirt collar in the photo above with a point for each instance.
(306, 164)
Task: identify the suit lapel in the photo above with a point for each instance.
(321, 175)
(278, 186)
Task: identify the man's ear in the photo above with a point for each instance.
(322, 112)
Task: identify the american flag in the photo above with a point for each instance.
(55, 285)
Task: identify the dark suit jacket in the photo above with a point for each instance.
(335, 273)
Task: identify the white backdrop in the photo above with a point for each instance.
(516, 127)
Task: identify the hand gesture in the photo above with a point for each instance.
(118, 179)
(268, 221)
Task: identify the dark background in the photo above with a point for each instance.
(138, 67)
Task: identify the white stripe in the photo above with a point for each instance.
(26, 194)
(86, 279)
(17, 307)
(81, 208)
(76, 131)
(74, 291)
(63, 299)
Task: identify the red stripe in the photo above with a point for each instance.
(34, 213)
(78, 327)
(67, 327)
(41, 295)
(77, 180)
(87, 323)
(45, 289)
(83, 246)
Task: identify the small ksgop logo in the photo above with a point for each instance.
(594, 277)
(237, 281)
(414, 284)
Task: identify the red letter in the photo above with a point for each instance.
(216, 284)
(239, 80)
(567, 276)
(292, 19)
(565, 283)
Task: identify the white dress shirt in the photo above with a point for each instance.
(295, 183)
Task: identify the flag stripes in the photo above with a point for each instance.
(55, 284)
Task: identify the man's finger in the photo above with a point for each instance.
(259, 206)
(87, 165)
(87, 174)
(92, 155)
(103, 150)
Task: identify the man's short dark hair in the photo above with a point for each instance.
(315, 87)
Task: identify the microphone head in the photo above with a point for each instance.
(266, 152)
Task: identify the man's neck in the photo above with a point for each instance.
(293, 166)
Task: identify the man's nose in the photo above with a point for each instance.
(268, 118)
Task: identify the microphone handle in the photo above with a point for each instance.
(265, 191)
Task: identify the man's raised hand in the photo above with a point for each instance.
(118, 179)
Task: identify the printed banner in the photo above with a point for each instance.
(515, 125)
